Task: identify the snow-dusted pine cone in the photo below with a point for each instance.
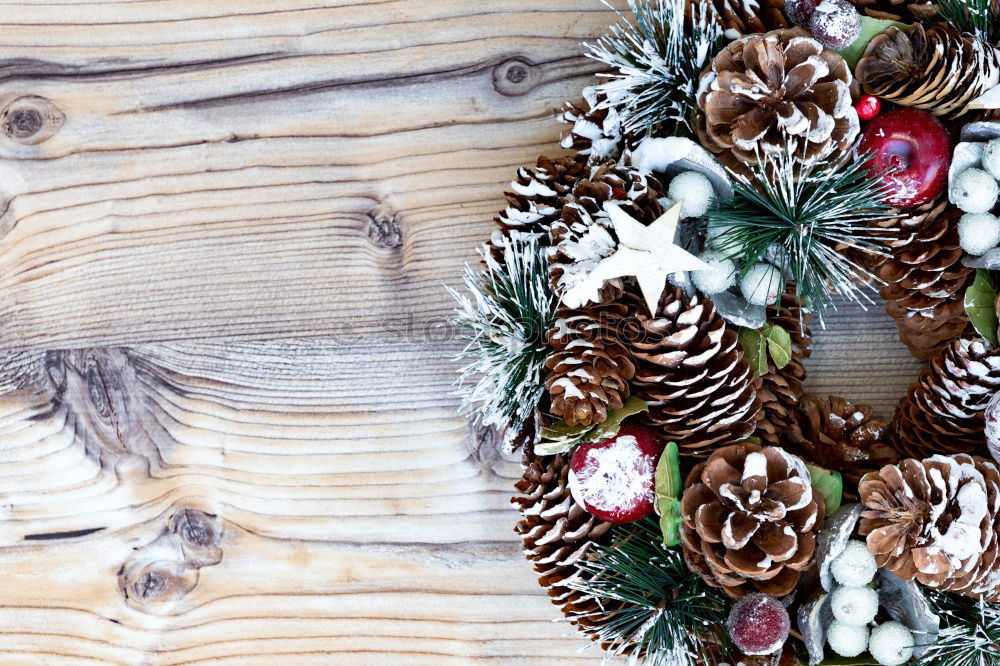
(924, 278)
(597, 131)
(936, 521)
(943, 410)
(937, 69)
(750, 517)
(746, 17)
(841, 436)
(765, 93)
(557, 533)
(591, 365)
(691, 371)
(780, 388)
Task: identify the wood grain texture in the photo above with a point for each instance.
(227, 427)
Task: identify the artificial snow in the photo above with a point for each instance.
(619, 476)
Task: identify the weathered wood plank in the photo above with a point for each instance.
(224, 233)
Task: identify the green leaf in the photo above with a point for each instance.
(668, 473)
(830, 486)
(754, 349)
(670, 521)
(779, 345)
(560, 438)
(980, 305)
(612, 424)
(870, 27)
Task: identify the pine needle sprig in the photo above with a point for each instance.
(976, 17)
(969, 635)
(800, 218)
(651, 603)
(656, 58)
(505, 324)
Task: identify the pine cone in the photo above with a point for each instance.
(943, 411)
(840, 436)
(938, 69)
(764, 92)
(690, 370)
(745, 18)
(780, 388)
(590, 366)
(935, 521)
(750, 517)
(557, 533)
(895, 10)
(584, 233)
(537, 195)
(597, 131)
(925, 280)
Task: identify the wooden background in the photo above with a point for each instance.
(228, 427)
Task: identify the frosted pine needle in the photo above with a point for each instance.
(656, 62)
(800, 218)
(969, 636)
(504, 324)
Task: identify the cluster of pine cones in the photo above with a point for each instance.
(684, 359)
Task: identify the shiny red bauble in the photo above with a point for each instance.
(912, 150)
(614, 479)
(868, 107)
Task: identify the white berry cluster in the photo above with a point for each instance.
(854, 603)
(975, 191)
(761, 285)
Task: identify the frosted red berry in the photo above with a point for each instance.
(800, 11)
(618, 192)
(868, 107)
(614, 479)
(758, 624)
(835, 24)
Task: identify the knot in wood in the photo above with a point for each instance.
(384, 230)
(30, 120)
(155, 585)
(200, 535)
(515, 77)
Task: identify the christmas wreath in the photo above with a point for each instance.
(638, 325)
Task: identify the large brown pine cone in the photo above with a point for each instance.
(840, 436)
(557, 533)
(765, 93)
(691, 371)
(925, 280)
(746, 18)
(935, 521)
(780, 388)
(597, 131)
(936, 69)
(590, 365)
(750, 517)
(584, 233)
(943, 410)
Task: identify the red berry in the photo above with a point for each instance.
(758, 624)
(913, 150)
(836, 24)
(800, 11)
(613, 479)
(618, 192)
(868, 107)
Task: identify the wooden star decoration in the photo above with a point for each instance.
(647, 253)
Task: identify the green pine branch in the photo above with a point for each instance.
(969, 636)
(651, 603)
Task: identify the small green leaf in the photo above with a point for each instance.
(670, 521)
(552, 447)
(612, 424)
(980, 305)
(754, 349)
(870, 27)
(830, 486)
(779, 345)
(668, 473)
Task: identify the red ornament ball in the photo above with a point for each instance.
(835, 24)
(800, 11)
(758, 624)
(614, 479)
(868, 107)
(913, 151)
